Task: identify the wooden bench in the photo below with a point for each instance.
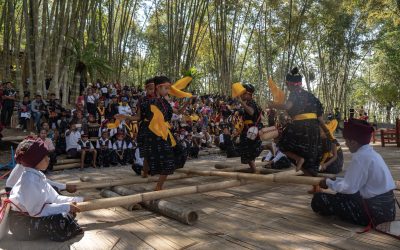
(391, 136)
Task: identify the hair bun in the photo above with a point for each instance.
(294, 71)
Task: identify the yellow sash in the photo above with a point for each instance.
(305, 116)
(248, 122)
(159, 126)
(132, 128)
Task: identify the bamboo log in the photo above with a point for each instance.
(227, 165)
(210, 151)
(108, 193)
(66, 161)
(66, 166)
(143, 197)
(182, 214)
(230, 168)
(14, 138)
(246, 169)
(284, 177)
(128, 181)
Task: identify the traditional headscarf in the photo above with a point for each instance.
(30, 152)
(358, 130)
(293, 78)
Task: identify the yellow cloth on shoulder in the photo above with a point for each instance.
(159, 126)
(237, 89)
(332, 125)
(277, 94)
(176, 88)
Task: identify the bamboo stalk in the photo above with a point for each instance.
(108, 193)
(66, 161)
(142, 197)
(285, 177)
(128, 181)
(66, 166)
(182, 214)
(230, 168)
(246, 169)
(14, 138)
(209, 152)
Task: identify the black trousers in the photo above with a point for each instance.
(6, 114)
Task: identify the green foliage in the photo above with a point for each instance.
(387, 69)
(88, 60)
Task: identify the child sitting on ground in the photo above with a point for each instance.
(121, 150)
(87, 151)
(103, 147)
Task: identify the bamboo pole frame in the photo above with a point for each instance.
(149, 196)
(283, 177)
(128, 181)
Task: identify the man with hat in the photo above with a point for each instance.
(365, 194)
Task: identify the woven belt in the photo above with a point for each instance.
(248, 122)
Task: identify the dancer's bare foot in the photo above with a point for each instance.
(144, 174)
(299, 164)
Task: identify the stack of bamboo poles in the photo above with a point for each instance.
(240, 179)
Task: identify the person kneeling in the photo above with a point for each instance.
(37, 210)
(365, 194)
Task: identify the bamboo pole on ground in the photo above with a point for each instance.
(246, 169)
(227, 165)
(108, 193)
(182, 214)
(66, 161)
(128, 181)
(143, 197)
(283, 177)
(230, 168)
(66, 166)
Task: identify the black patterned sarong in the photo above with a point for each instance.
(352, 208)
(57, 227)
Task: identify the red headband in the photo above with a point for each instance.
(294, 83)
(164, 84)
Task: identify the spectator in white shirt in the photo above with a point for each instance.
(72, 137)
(124, 108)
(37, 210)
(365, 194)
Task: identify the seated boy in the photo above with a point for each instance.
(365, 194)
(88, 152)
(121, 150)
(103, 147)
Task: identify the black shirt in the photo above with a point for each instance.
(10, 93)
